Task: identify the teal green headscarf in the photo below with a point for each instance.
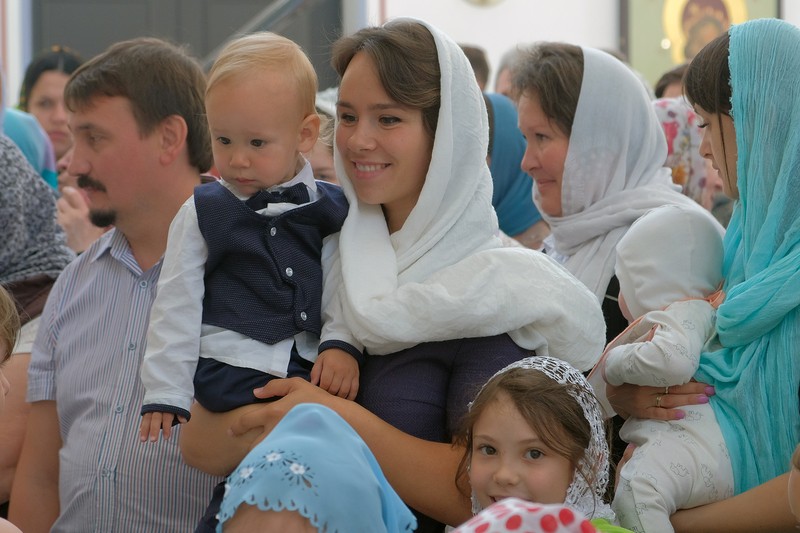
(756, 365)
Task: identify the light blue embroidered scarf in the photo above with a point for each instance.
(314, 463)
(756, 372)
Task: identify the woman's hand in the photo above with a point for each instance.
(657, 403)
(265, 416)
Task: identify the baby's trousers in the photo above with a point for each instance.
(676, 465)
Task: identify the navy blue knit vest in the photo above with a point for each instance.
(264, 274)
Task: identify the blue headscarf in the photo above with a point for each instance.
(755, 367)
(314, 463)
(512, 196)
(28, 135)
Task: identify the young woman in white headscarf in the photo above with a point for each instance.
(420, 277)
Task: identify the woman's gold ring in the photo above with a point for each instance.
(666, 389)
(658, 400)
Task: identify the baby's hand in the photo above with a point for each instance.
(154, 422)
(336, 371)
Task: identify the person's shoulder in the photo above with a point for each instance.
(91, 254)
(209, 186)
(331, 203)
(331, 189)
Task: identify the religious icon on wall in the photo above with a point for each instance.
(691, 24)
(656, 35)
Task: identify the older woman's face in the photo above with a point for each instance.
(385, 149)
(545, 153)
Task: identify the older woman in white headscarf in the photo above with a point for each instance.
(596, 152)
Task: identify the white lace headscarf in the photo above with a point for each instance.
(580, 496)
(445, 274)
(614, 171)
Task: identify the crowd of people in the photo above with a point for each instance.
(405, 303)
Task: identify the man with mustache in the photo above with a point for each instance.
(141, 143)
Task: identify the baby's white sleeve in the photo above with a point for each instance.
(670, 352)
(173, 337)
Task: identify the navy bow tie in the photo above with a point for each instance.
(296, 194)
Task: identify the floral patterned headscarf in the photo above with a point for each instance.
(314, 463)
(683, 148)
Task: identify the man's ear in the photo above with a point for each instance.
(309, 132)
(172, 136)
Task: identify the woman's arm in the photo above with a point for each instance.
(206, 442)
(422, 472)
(763, 508)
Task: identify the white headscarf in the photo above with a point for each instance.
(445, 274)
(614, 171)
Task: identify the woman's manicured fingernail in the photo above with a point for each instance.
(702, 399)
(680, 415)
(710, 391)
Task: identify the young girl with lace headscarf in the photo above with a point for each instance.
(535, 431)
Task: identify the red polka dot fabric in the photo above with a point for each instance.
(513, 514)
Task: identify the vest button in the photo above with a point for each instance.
(273, 231)
(289, 272)
(303, 315)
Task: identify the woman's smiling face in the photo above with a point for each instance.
(384, 146)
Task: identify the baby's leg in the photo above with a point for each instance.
(675, 465)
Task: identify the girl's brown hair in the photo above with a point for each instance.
(9, 325)
(405, 56)
(548, 407)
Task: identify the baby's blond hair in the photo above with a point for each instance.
(267, 51)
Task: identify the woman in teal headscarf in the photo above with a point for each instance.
(745, 86)
(754, 366)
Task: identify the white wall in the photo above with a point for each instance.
(16, 46)
(502, 26)
(496, 29)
